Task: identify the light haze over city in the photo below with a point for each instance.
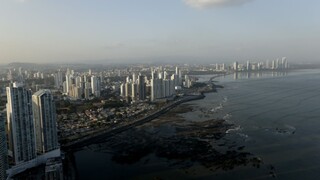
(113, 31)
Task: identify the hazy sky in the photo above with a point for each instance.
(158, 30)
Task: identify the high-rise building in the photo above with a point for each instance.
(95, 85)
(273, 65)
(165, 75)
(128, 89)
(85, 78)
(188, 82)
(248, 66)
(267, 65)
(58, 79)
(21, 135)
(178, 78)
(87, 90)
(235, 66)
(175, 79)
(172, 87)
(44, 111)
(153, 74)
(122, 90)
(127, 79)
(69, 82)
(223, 67)
(163, 85)
(278, 64)
(3, 148)
(284, 63)
(134, 78)
(156, 89)
(68, 71)
(134, 91)
(165, 88)
(160, 75)
(78, 81)
(65, 88)
(141, 87)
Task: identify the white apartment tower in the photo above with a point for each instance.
(58, 79)
(248, 66)
(128, 89)
(235, 66)
(122, 90)
(44, 111)
(134, 78)
(69, 82)
(21, 135)
(95, 85)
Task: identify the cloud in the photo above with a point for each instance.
(215, 3)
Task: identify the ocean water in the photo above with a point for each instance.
(276, 118)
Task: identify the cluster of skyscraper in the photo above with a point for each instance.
(134, 88)
(20, 74)
(31, 126)
(278, 64)
(163, 85)
(160, 85)
(268, 65)
(78, 86)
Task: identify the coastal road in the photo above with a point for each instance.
(102, 135)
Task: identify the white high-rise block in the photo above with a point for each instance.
(44, 111)
(21, 135)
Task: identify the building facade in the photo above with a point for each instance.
(21, 135)
(3, 148)
(44, 111)
(96, 85)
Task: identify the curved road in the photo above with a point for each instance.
(100, 136)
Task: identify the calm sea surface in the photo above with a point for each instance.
(276, 118)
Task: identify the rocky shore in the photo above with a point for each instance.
(183, 143)
(100, 135)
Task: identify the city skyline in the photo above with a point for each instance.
(158, 31)
(71, 107)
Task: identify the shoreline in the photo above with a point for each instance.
(103, 134)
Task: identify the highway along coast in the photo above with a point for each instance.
(105, 133)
